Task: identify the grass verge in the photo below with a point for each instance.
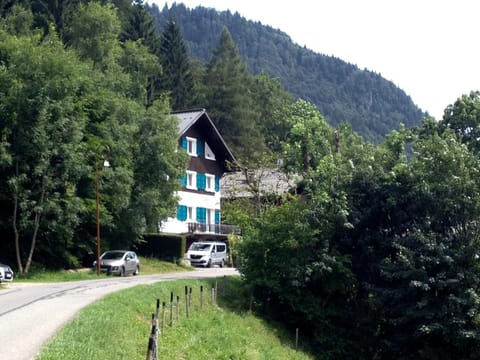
(148, 266)
(118, 327)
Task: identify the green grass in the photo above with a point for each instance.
(118, 327)
(148, 266)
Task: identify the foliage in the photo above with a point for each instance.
(229, 100)
(341, 91)
(464, 118)
(65, 108)
(392, 239)
(177, 76)
(164, 246)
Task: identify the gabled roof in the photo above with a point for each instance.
(199, 117)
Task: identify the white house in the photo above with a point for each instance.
(198, 212)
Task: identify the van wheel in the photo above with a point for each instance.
(209, 263)
(222, 264)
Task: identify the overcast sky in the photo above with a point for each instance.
(429, 48)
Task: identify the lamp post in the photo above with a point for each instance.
(106, 164)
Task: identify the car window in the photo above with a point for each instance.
(112, 255)
(200, 247)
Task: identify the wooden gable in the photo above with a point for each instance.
(197, 124)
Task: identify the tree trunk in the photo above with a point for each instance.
(14, 224)
(35, 232)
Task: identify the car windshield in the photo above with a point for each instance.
(110, 255)
(200, 247)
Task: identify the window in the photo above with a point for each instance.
(209, 153)
(191, 146)
(190, 214)
(210, 182)
(191, 180)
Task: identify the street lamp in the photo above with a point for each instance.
(106, 165)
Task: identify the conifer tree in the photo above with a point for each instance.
(177, 75)
(229, 99)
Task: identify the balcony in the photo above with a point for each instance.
(217, 229)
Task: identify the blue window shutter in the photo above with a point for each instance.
(201, 215)
(217, 217)
(199, 148)
(201, 181)
(182, 212)
(184, 143)
(217, 184)
(183, 180)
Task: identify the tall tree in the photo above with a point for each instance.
(229, 99)
(270, 100)
(42, 124)
(177, 77)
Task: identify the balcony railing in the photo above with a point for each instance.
(218, 229)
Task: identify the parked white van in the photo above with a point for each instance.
(207, 253)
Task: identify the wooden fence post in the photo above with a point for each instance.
(186, 302)
(178, 307)
(163, 316)
(171, 308)
(190, 299)
(201, 297)
(153, 339)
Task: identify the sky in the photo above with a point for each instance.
(428, 48)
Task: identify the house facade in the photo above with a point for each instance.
(198, 212)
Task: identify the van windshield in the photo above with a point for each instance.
(200, 247)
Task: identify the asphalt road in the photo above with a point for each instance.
(31, 314)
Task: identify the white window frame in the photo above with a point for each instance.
(191, 180)
(210, 217)
(209, 153)
(210, 182)
(191, 146)
(190, 213)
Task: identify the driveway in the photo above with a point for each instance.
(31, 314)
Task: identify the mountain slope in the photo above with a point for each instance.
(341, 91)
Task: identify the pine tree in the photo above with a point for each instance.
(229, 99)
(177, 74)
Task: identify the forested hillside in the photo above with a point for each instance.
(341, 91)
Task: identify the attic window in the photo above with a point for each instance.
(209, 153)
(191, 146)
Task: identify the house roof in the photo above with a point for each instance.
(199, 117)
(266, 181)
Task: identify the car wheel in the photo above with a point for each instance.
(222, 264)
(122, 272)
(137, 270)
(209, 263)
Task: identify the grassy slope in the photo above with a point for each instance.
(147, 266)
(118, 327)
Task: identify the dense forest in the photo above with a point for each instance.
(374, 253)
(341, 91)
